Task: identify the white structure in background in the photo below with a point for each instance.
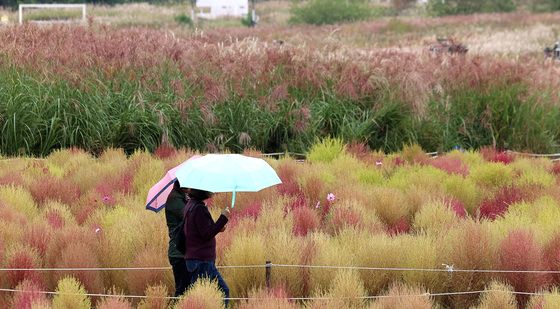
(82, 7)
(212, 9)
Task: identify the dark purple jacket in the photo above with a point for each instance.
(200, 231)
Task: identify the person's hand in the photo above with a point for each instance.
(226, 212)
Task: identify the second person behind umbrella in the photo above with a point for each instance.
(200, 233)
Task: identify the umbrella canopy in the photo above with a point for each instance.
(157, 195)
(227, 173)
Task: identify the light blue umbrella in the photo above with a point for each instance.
(227, 173)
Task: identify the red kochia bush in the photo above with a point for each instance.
(359, 150)
(450, 165)
(518, 251)
(114, 303)
(23, 258)
(138, 280)
(30, 295)
(493, 155)
(305, 220)
(289, 188)
(401, 226)
(287, 173)
(499, 204)
(252, 210)
(38, 236)
(11, 178)
(344, 217)
(556, 168)
(62, 239)
(80, 255)
(552, 257)
(52, 188)
(457, 206)
(165, 150)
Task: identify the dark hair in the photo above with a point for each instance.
(176, 185)
(200, 195)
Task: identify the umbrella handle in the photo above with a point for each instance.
(233, 199)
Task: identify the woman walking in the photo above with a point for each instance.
(174, 207)
(200, 233)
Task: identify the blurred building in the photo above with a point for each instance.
(212, 9)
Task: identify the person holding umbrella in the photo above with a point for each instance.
(216, 173)
(200, 239)
(175, 205)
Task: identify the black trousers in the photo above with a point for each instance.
(181, 275)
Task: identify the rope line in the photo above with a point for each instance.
(538, 155)
(427, 294)
(117, 268)
(449, 269)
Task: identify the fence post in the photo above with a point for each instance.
(268, 268)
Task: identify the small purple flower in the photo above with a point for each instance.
(106, 198)
(318, 204)
(331, 197)
(378, 163)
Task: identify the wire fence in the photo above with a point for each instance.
(302, 156)
(369, 297)
(268, 267)
(446, 268)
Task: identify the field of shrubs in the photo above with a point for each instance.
(91, 116)
(416, 216)
(277, 89)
